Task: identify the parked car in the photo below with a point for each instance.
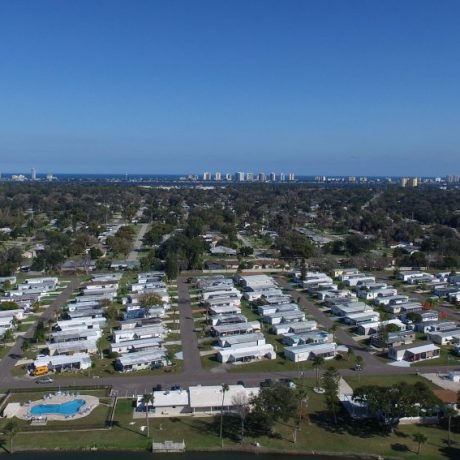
(176, 388)
(157, 387)
(44, 380)
(288, 382)
(266, 383)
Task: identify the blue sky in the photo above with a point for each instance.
(316, 87)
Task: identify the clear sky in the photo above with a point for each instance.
(317, 87)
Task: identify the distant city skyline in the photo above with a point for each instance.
(318, 88)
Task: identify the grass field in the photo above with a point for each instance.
(316, 434)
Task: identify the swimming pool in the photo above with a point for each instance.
(67, 408)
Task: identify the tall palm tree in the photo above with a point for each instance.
(12, 428)
(333, 330)
(147, 399)
(318, 361)
(449, 412)
(224, 389)
(420, 438)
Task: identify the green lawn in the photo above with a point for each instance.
(283, 365)
(447, 358)
(317, 434)
(386, 380)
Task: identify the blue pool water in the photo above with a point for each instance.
(67, 408)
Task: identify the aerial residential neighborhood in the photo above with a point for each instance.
(230, 229)
(159, 337)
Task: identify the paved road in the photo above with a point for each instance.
(192, 360)
(137, 245)
(15, 353)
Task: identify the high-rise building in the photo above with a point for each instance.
(403, 181)
(228, 177)
(239, 176)
(249, 176)
(291, 177)
(206, 175)
(33, 174)
(282, 177)
(273, 177)
(413, 182)
(262, 177)
(218, 176)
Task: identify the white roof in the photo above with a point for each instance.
(312, 347)
(170, 398)
(60, 360)
(423, 348)
(140, 357)
(211, 396)
(237, 326)
(140, 343)
(62, 347)
(243, 338)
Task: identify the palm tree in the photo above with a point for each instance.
(333, 330)
(147, 399)
(12, 428)
(359, 361)
(169, 356)
(420, 439)
(100, 346)
(350, 353)
(317, 363)
(224, 389)
(449, 412)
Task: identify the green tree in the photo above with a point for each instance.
(318, 362)
(420, 439)
(242, 404)
(150, 300)
(331, 380)
(11, 428)
(147, 400)
(390, 404)
(100, 346)
(303, 270)
(224, 389)
(171, 267)
(449, 412)
(276, 402)
(246, 251)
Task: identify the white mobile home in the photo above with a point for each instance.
(246, 354)
(310, 351)
(141, 360)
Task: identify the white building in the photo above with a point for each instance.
(141, 360)
(310, 351)
(246, 353)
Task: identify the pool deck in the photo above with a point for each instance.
(23, 411)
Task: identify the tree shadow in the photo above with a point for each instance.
(398, 447)
(363, 428)
(117, 424)
(452, 453)
(3, 445)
